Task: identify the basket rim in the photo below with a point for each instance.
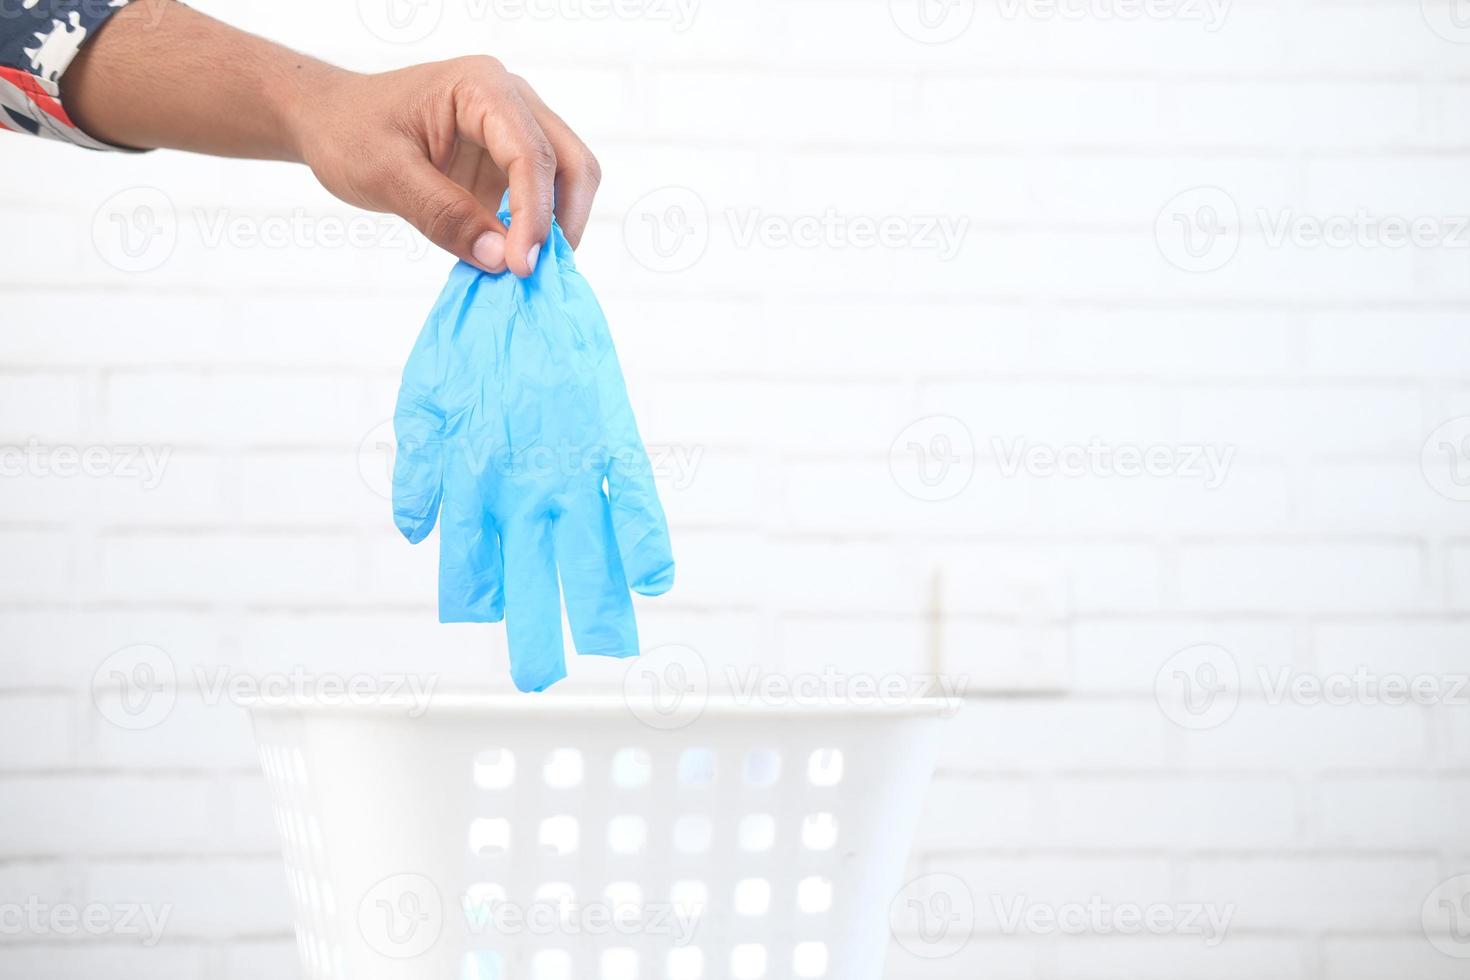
(532, 704)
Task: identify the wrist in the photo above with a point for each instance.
(297, 94)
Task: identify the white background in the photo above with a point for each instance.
(804, 381)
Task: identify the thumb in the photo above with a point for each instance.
(447, 214)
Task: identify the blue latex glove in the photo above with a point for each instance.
(513, 420)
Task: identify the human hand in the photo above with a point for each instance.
(438, 144)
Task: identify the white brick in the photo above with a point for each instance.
(36, 730)
(1356, 343)
(985, 577)
(1408, 812)
(710, 104)
(963, 814)
(195, 734)
(215, 897)
(867, 645)
(1301, 422)
(1126, 655)
(41, 407)
(1310, 893)
(56, 647)
(1173, 812)
(158, 328)
(228, 567)
(1258, 957)
(1290, 737)
(1392, 647)
(998, 883)
(1006, 656)
(1045, 734)
(1388, 496)
(1308, 576)
(1371, 957)
(99, 815)
(48, 570)
(275, 409)
(120, 961)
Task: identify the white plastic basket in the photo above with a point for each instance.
(568, 839)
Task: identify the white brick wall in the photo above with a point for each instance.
(1333, 546)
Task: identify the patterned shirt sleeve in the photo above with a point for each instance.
(38, 40)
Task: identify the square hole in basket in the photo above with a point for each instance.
(551, 964)
(819, 832)
(693, 833)
(697, 767)
(619, 963)
(809, 959)
(482, 964)
(625, 900)
(559, 835)
(481, 901)
(489, 836)
(495, 769)
(686, 963)
(631, 768)
(824, 768)
(814, 895)
(748, 962)
(561, 896)
(757, 832)
(627, 834)
(762, 767)
(752, 897)
(563, 769)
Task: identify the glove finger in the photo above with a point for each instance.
(532, 602)
(599, 607)
(638, 520)
(418, 467)
(471, 586)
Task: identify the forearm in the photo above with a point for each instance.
(160, 75)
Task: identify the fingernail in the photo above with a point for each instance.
(533, 255)
(489, 252)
